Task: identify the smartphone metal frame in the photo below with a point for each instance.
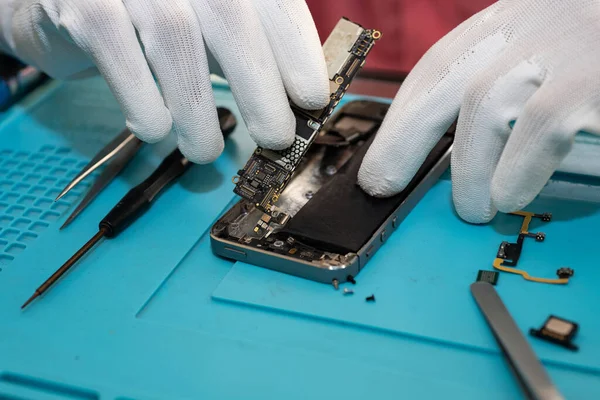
(322, 272)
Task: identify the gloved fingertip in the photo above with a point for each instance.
(151, 128)
(374, 190)
(274, 136)
(281, 142)
(376, 184)
(472, 214)
(311, 101)
(507, 202)
(509, 199)
(313, 96)
(204, 153)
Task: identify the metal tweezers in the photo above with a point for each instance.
(119, 152)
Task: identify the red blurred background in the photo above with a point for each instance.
(409, 27)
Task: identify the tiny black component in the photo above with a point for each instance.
(540, 237)
(490, 277)
(559, 331)
(351, 279)
(565, 272)
(511, 251)
(261, 176)
(370, 299)
(303, 130)
(255, 184)
(546, 217)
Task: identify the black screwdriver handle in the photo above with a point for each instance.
(227, 121)
(139, 199)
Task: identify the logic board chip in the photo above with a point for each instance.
(490, 277)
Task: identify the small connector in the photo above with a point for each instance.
(565, 272)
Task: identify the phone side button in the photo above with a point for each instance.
(369, 251)
(383, 236)
(238, 254)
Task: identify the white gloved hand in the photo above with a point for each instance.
(534, 61)
(265, 48)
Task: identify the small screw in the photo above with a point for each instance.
(351, 279)
(278, 243)
(348, 291)
(336, 284)
(330, 170)
(309, 194)
(371, 298)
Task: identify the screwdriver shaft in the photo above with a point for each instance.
(66, 266)
(135, 202)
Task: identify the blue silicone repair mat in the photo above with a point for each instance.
(153, 314)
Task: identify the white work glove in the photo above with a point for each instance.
(265, 48)
(534, 61)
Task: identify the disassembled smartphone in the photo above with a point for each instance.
(323, 226)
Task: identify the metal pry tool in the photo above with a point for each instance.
(120, 150)
(528, 369)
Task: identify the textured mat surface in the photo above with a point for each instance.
(154, 315)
